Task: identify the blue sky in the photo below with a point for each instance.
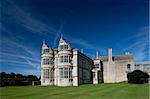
(86, 24)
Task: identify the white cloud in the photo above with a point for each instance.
(139, 44)
(15, 52)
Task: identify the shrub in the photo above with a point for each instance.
(138, 77)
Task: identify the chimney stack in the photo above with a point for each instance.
(110, 54)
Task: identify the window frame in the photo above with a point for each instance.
(46, 51)
(65, 59)
(65, 73)
(96, 65)
(47, 61)
(46, 73)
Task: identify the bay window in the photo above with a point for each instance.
(61, 72)
(47, 61)
(46, 73)
(65, 72)
(65, 59)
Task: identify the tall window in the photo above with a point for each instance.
(70, 72)
(93, 74)
(65, 59)
(65, 72)
(61, 47)
(61, 72)
(61, 59)
(96, 65)
(69, 59)
(128, 66)
(46, 73)
(47, 61)
(51, 60)
(64, 47)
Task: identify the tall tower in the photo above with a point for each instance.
(64, 63)
(47, 65)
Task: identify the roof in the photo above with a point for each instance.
(118, 57)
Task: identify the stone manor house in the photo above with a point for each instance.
(66, 66)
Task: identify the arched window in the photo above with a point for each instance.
(129, 67)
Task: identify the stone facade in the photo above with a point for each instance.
(65, 66)
(114, 68)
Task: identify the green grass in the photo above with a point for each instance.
(88, 91)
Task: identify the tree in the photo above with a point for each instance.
(138, 77)
(32, 78)
(7, 79)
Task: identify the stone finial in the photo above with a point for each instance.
(44, 46)
(97, 54)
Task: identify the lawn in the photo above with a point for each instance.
(88, 91)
